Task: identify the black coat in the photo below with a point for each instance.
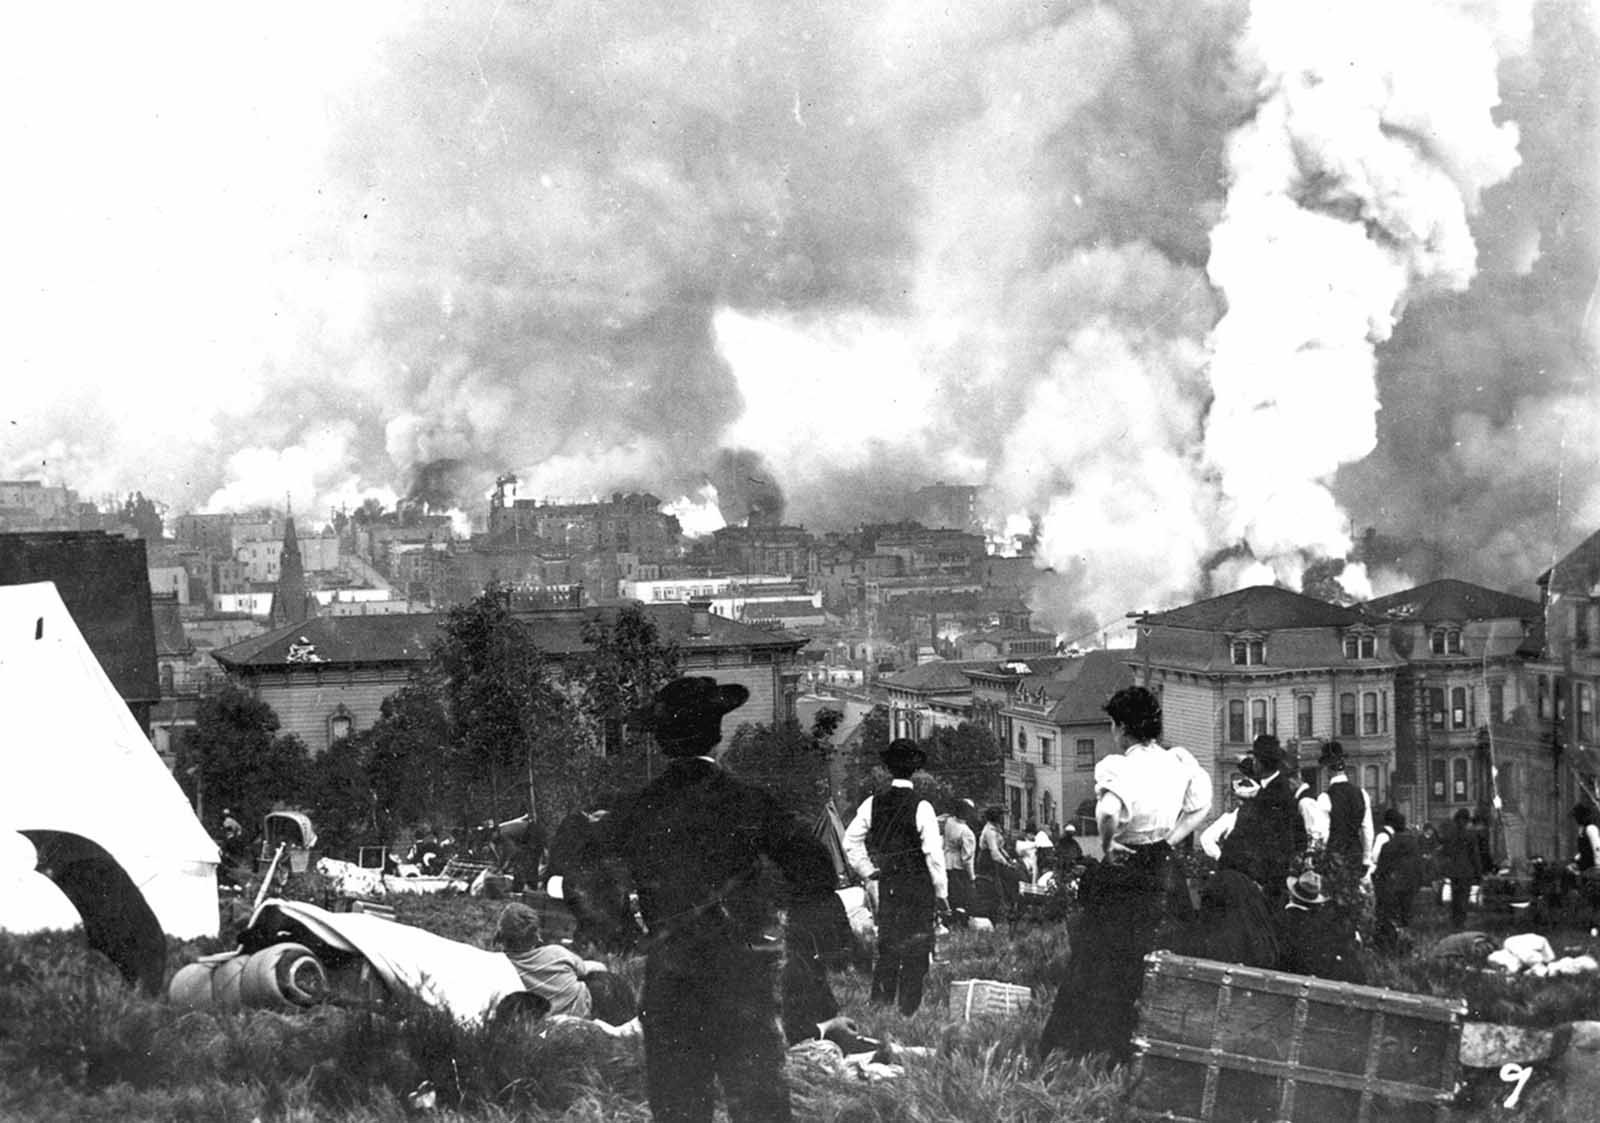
(692, 843)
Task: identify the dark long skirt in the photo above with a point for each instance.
(1130, 907)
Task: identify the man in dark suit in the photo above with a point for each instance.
(1268, 839)
(692, 843)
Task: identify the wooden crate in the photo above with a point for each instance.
(1225, 1043)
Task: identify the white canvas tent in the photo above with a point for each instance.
(80, 779)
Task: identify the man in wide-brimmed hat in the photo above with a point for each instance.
(693, 843)
(894, 841)
(1312, 942)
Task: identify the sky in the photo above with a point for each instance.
(1199, 291)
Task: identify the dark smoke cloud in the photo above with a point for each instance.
(1487, 463)
(746, 488)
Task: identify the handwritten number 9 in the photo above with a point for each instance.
(1513, 1072)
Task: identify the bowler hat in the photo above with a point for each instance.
(1307, 888)
(1267, 751)
(686, 714)
(1332, 755)
(903, 753)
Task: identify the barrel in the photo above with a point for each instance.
(283, 976)
(208, 985)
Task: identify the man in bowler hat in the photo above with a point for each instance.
(1268, 838)
(894, 840)
(692, 842)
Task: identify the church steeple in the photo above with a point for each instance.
(289, 601)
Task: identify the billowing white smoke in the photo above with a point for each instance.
(1350, 194)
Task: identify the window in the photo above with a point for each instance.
(1047, 748)
(1497, 703)
(1452, 642)
(1585, 711)
(1249, 652)
(1436, 777)
(1086, 752)
(1372, 783)
(338, 727)
(1544, 696)
(1580, 626)
(1561, 699)
(1445, 641)
(1016, 804)
(1347, 715)
(1360, 646)
(1460, 779)
(1022, 744)
(1458, 707)
(1383, 710)
(1258, 718)
(1302, 716)
(1236, 721)
(1369, 714)
(1436, 707)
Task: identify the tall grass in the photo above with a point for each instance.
(76, 1044)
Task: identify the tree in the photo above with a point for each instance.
(968, 760)
(789, 762)
(408, 759)
(507, 718)
(144, 515)
(874, 731)
(234, 757)
(627, 663)
(339, 797)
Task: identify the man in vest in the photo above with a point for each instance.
(894, 841)
(1348, 813)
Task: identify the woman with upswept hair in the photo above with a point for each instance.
(1149, 798)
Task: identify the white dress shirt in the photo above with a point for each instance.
(855, 842)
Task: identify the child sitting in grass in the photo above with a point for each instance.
(566, 982)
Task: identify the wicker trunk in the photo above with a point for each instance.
(1220, 1042)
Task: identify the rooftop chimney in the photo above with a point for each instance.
(699, 618)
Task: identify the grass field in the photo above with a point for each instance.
(76, 1044)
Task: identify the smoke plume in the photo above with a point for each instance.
(1172, 280)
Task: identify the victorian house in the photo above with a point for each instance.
(1467, 724)
(1567, 672)
(1058, 729)
(1266, 660)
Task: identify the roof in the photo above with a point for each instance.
(406, 637)
(1080, 687)
(1260, 608)
(104, 580)
(1453, 600)
(936, 674)
(1579, 571)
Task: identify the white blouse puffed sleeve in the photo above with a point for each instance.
(1108, 776)
(1197, 792)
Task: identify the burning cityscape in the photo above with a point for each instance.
(1191, 294)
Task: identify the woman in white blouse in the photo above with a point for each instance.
(1149, 798)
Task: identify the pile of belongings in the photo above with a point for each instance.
(1526, 953)
(1531, 954)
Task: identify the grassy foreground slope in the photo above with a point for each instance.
(76, 1044)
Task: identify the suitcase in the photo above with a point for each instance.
(1225, 1043)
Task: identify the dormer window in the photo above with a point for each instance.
(1445, 641)
(1360, 645)
(1249, 651)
